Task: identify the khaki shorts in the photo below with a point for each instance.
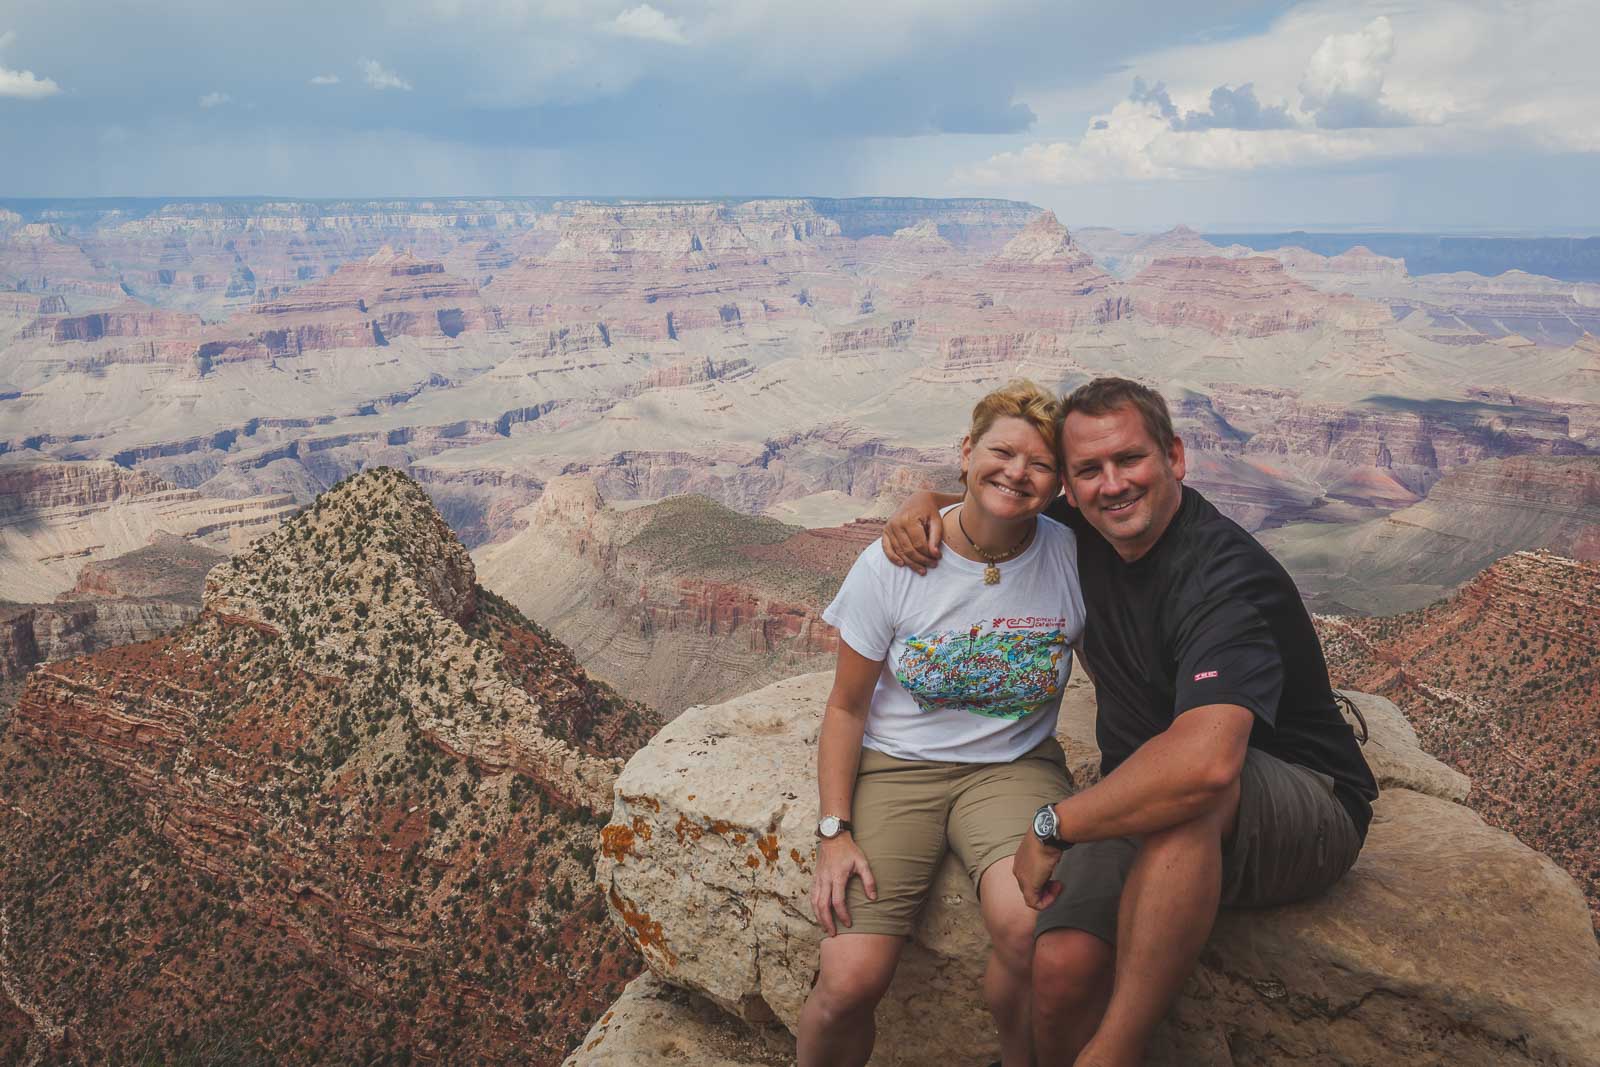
(907, 813)
(1292, 840)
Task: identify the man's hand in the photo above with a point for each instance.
(838, 859)
(913, 535)
(1033, 865)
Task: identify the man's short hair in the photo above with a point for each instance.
(1105, 395)
(1020, 399)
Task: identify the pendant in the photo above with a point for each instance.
(991, 575)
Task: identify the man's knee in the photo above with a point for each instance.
(1071, 968)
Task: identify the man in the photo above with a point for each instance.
(1229, 777)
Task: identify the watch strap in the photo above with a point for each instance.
(844, 824)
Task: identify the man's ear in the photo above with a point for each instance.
(1176, 459)
(1066, 489)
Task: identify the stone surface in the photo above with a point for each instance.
(1501, 680)
(1449, 942)
(655, 1024)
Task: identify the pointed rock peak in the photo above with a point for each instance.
(924, 232)
(568, 500)
(1043, 239)
(376, 533)
(1181, 230)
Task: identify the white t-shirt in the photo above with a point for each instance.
(972, 673)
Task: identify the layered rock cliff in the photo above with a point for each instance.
(1503, 682)
(57, 517)
(1448, 943)
(1469, 518)
(350, 807)
(678, 602)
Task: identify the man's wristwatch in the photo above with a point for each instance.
(1044, 828)
(832, 826)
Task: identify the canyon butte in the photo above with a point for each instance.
(663, 429)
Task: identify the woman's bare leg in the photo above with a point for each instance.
(836, 1025)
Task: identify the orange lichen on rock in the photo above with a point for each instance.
(617, 841)
(643, 931)
(768, 844)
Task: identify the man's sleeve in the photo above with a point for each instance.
(1227, 654)
(862, 611)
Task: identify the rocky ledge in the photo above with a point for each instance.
(1448, 943)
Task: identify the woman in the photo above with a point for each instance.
(940, 730)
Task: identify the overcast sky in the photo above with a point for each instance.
(1429, 114)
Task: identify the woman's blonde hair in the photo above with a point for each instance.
(1022, 399)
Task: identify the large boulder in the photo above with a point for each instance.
(1448, 943)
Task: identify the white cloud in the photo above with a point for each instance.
(647, 24)
(215, 99)
(1136, 142)
(378, 77)
(325, 79)
(23, 84)
(1461, 76)
(1343, 83)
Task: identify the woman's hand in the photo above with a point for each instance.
(838, 859)
(912, 537)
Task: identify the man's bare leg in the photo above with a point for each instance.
(1008, 978)
(1169, 905)
(836, 1025)
(1072, 972)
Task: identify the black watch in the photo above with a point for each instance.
(1044, 828)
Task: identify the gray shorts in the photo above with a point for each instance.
(1293, 839)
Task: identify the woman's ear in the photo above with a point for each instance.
(966, 456)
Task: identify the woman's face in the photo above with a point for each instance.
(1011, 470)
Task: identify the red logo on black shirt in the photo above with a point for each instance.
(1203, 675)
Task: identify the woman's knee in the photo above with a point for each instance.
(1070, 967)
(848, 985)
(1011, 935)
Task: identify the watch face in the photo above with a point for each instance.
(829, 827)
(1044, 823)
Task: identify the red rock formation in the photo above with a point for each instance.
(1501, 681)
(987, 357)
(128, 320)
(729, 601)
(42, 255)
(1039, 280)
(32, 485)
(348, 808)
(655, 270)
(390, 294)
(1249, 297)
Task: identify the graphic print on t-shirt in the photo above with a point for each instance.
(1004, 669)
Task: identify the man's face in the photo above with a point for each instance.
(1120, 479)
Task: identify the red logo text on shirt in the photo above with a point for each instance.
(1028, 622)
(1203, 675)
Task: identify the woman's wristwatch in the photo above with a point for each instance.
(832, 826)
(1044, 828)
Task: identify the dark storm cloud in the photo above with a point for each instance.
(1237, 109)
(1231, 109)
(1350, 111)
(548, 75)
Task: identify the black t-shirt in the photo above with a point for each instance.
(1207, 616)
